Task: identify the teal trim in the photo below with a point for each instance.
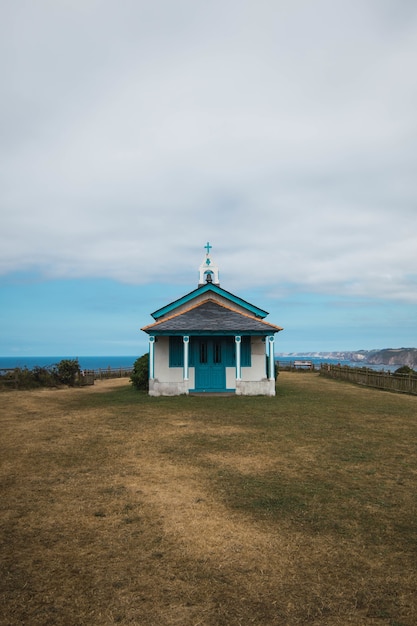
(169, 308)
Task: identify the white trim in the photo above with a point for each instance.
(151, 357)
(271, 340)
(186, 341)
(238, 340)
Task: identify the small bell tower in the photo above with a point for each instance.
(209, 272)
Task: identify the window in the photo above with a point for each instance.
(217, 352)
(203, 352)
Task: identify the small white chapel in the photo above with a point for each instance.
(211, 341)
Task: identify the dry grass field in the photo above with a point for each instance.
(117, 508)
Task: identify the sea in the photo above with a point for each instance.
(126, 362)
(86, 362)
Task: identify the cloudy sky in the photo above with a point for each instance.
(282, 131)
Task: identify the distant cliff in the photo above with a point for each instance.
(393, 356)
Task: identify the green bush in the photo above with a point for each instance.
(67, 371)
(140, 375)
(24, 378)
(404, 369)
(45, 376)
(17, 379)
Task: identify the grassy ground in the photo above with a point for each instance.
(117, 508)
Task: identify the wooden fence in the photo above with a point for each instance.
(112, 372)
(87, 377)
(9, 377)
(295, 365)
(402, 383)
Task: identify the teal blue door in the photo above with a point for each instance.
(210, 359)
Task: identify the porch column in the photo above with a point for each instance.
(151, 357)
(186, 341)
(271, 340)
(238, 340)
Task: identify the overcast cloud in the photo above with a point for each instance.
(282, 131)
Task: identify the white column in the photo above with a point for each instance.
(238, 367)
(186, 341)
(151, 357)
(271, 358)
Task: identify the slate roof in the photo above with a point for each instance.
(211, 317)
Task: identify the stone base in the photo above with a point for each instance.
(157, 388)
(263, 387)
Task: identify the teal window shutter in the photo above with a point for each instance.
(191, 351)
(230, 359)
(245, 352)
(176, 352)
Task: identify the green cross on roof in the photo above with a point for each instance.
(208, 247)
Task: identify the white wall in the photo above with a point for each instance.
(257, 371)
(169, 380)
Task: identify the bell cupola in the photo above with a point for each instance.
(209, 272)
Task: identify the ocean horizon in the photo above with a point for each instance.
(86, 362)
(127, 361)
